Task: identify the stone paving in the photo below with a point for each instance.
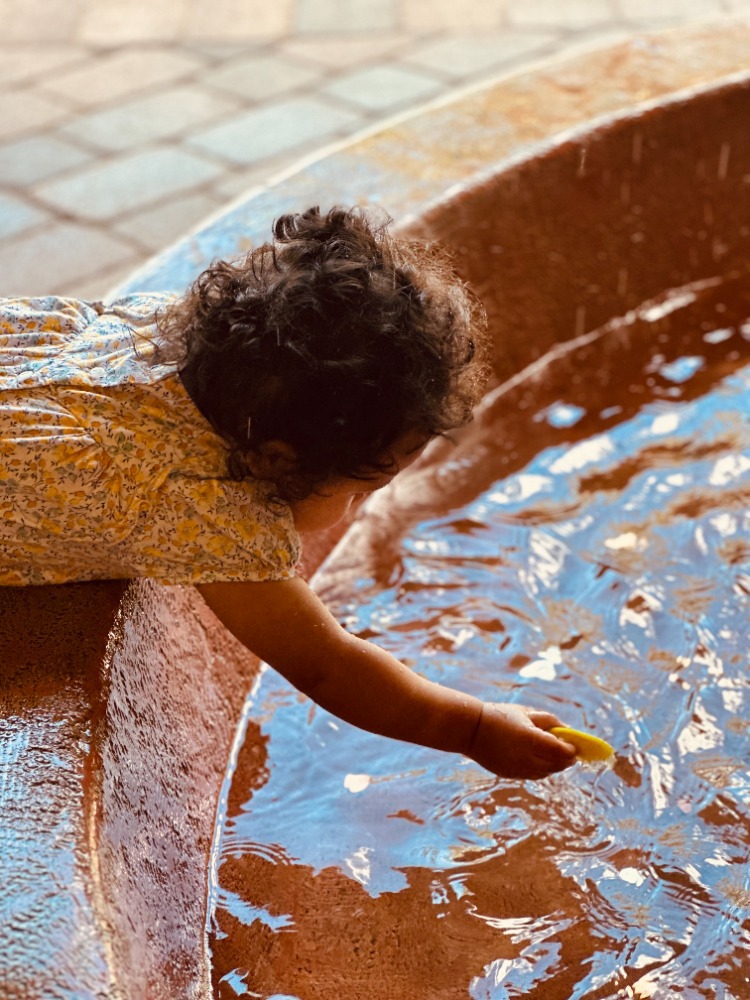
(123, 123)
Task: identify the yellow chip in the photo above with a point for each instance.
(588, 747)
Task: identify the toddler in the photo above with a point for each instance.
(193, 440)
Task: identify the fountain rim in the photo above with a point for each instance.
(593, 127)
(694, 37)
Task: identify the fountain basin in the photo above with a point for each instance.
(571, 194)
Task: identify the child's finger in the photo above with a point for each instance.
(556, 747)
(555, 753)
(541, 768)
(544, 720)
(552, 748)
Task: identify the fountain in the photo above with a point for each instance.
(593, 203)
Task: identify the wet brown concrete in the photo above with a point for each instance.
(613, 216)
(173, 689)
(119, 705)
(52, 647)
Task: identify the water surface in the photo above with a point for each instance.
(600, 568)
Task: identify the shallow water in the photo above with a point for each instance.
(601, 569)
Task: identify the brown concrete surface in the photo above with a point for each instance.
(119, 710)
(119, 704)
(52, 646)
(172, 694)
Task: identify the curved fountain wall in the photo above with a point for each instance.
(120, 703)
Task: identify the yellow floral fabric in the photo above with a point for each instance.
(107, 468)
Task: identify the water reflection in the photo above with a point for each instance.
(601, 571)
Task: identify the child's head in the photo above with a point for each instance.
(336, 341)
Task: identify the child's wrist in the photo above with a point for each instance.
(463, 716)
(475, 731)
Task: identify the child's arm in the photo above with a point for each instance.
(285, 624)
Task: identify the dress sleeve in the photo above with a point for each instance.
(214, 530)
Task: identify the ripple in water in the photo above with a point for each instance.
(601, 569)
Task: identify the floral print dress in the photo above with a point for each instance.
(107, 468)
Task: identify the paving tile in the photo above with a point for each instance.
(125, 21)
(381, 88)
(261, 77)
(156, 227)
(346, 15)
(595, 37)
(35, 21)
(450, 15)
(237, 185)
(120, 74)
(460, 56)
(27, 61)
(49, 261)
(26, 111)
(98, 286)
(239, 182)
(274, 129)
(27, 161)
(341, 51)
(642, 10)
(16, 215)
(126, 183)
(554, 13)
(222, 51)
(234, 19)
(146, 119)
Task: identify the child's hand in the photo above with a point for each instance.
(511, 741)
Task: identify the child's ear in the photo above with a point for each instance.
(273, 459)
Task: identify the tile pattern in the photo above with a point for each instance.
(123, 124)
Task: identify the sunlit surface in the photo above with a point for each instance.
(604, 574)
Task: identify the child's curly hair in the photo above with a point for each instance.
(337, 339)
